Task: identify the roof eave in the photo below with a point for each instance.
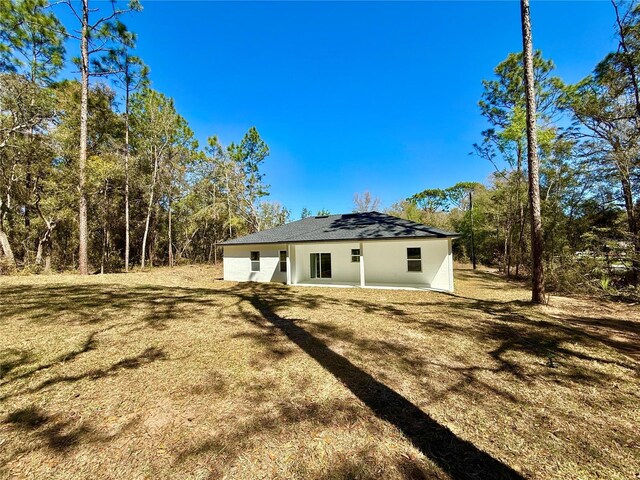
(452, 235)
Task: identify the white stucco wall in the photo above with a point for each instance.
(237, 263)
(385, 262)
(342, 269)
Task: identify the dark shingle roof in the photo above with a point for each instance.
(351, 226)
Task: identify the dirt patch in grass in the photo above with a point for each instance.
(174, 373)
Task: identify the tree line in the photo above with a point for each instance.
(102, 172)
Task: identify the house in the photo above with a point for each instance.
(357, 249)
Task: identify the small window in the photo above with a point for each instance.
(283, 260)
(255, 261)
(355, 255)
(414, 259)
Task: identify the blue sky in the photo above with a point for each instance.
(354, 96)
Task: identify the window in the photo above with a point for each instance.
(355, 255)
(320, 265)
(283, 260)
(414, 259)
(255, 261)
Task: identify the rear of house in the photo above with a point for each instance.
(361, 249)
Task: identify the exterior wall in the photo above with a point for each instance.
(385, 263)
(342, 269)
(237, 263)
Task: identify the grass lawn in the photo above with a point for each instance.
(175, 373)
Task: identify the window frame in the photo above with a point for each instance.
(318, 269)
(355, 257)
(283, 263)
(254, 261)
(412, 260)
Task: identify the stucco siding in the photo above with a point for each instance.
(237, 263)
(343, 270)
(385, 263)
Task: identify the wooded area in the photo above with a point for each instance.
(102, 173)
(588, 136)
(108, 173)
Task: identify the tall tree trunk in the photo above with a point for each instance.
(5, 245)
(537, 270)
(47, 259)
(170, 236)
(508, 226)
(83, 261)
(27, 207)
(29, 176)
(44, 249)
(105, 231)
(39, 251)
(627, 194)
(507, 253)
(521, 243)
(521, 219)
(473, 243)
(149, 209)
(126, 182)
(228, 203)
(632, 221)
(28, 186)
(44, 242)
(214, 246)
(154, 236)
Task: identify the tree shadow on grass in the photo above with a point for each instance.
(149, 355)
(622, 335)
(458, 457)
(539, 335)
(495, 324)
(89, 304)
(280, 416)
(26, 358)
(56, 432)
(160, 308)
(552, 340)
(12, 358)
(88, 345)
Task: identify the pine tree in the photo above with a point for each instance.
(537, 274)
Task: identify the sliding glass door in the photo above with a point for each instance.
(320, 265)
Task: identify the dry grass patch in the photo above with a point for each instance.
(174, 373)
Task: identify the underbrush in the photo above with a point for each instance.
(7, 267)
(590, 276)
